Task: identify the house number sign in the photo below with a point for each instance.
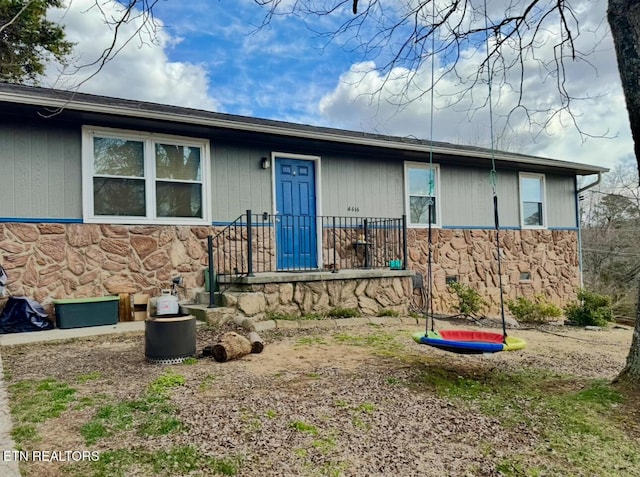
(353, 208)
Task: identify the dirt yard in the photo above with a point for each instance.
(345, 401)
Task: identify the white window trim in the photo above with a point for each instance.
(541, 177)
(88, 132)
(422, 165)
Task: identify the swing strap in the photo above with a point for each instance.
(499, 261)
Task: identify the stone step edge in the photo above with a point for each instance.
(329, 323)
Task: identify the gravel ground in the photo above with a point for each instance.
(315, 402)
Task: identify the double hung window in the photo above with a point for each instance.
(532, 202)
(133, 177)
(422, 190)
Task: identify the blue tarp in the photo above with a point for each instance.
(22, 314)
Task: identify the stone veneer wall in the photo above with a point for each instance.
(50, 260)
(549, 256)
(368, 295)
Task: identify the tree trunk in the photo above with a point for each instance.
(631, 372)
(624, 20)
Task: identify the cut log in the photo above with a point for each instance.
(230, 346)
(207, 351)
(257, 345)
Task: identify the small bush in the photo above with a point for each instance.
(538, 310)
(312, 316)
(591, 309)
(387, 312)
(343, 313)
(276, 315)
(470, 303)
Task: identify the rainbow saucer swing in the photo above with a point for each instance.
(468, 341)
(464, 341)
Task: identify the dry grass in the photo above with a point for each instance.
(363, 401)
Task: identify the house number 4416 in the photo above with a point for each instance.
(353, 208)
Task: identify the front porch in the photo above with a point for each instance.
(262, 264)
(298, 265)
(264, 243)
(371, 292)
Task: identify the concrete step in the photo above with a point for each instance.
(203, 298)
(214, 316)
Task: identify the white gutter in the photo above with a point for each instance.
(589, 186)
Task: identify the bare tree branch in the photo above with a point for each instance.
(139, 13)
(397, 35)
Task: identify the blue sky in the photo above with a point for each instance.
(209, 54)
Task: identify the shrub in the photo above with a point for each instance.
(387, 312)
(538, 310)
(470, 303)
(312, 316)
(591, 309)
(276, 315)
(343, 313)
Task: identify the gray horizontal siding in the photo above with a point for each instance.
(40, 172)
(561, 201)
(467, 198)
(41, 178)
(238, 182)
(372, 185)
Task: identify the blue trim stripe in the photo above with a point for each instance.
(477, 227)
(32, 220)
(491, 227)
(37, 220)
(241, 224)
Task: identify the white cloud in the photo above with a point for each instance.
(286, 72)
(367, 99)
(141, 70)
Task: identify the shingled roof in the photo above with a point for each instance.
(74, 101)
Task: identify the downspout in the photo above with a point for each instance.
(578, 192)
(589, 186)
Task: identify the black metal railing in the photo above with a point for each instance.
(256, 243)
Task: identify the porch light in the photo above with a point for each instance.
(265, 163)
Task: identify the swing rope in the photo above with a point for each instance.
(429, 314)
(493, 174)
(429, 301)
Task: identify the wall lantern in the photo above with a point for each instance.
(265, 163)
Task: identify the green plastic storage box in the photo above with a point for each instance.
(83, 312)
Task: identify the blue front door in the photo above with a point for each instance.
(296, 239)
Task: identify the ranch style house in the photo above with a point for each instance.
(103, 196)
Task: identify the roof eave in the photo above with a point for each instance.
(143, 112)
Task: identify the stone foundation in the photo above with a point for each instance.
(369, 295)
(51, 260)
(549, 257)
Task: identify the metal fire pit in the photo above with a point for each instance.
(169, 339)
